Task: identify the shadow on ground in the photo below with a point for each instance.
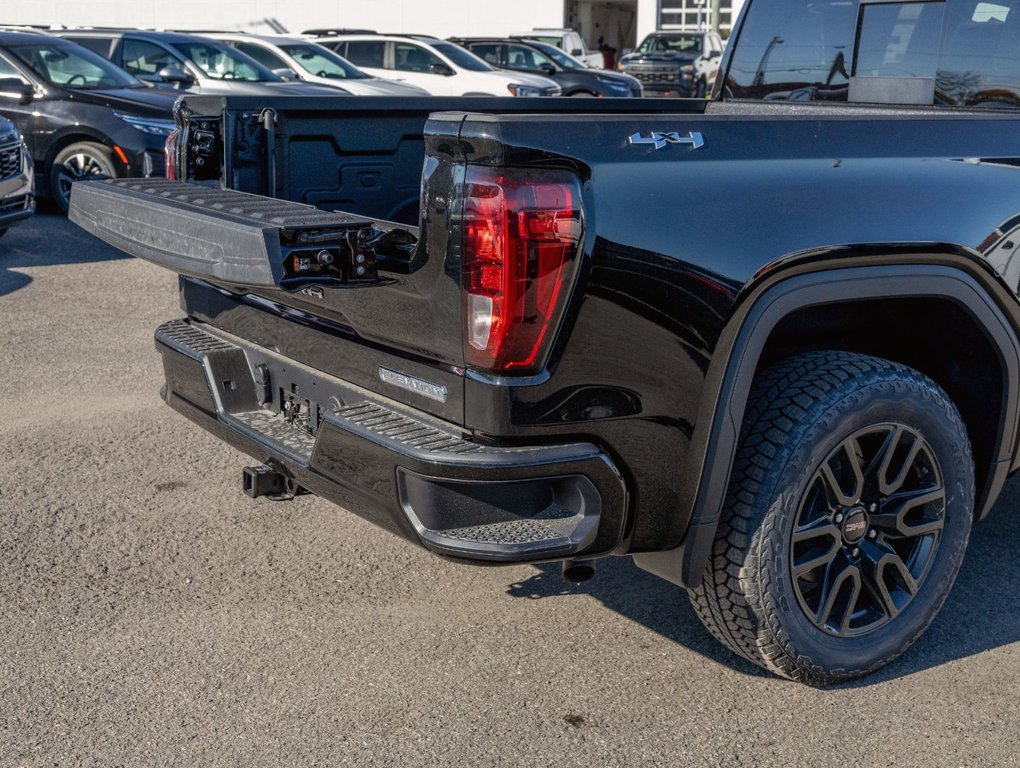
(981, 614)
(45, 240)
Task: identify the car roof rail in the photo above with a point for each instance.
(100, 28)
(412, 36)
(330, 32)
(31, 29)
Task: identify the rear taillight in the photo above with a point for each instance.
(170, 151)
(522, 230)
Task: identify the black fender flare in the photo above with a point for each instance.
(729, 379)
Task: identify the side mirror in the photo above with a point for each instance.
(13, 88)
(547, 68)
(174, 75)
(286, 73)
(438, 68)
(577, 52)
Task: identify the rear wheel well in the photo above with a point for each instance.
(935, 336)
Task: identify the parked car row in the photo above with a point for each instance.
(94, 102)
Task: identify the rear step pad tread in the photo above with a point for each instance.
(280, 213)
(275, 428)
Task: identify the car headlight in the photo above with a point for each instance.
(524, 90)
(151, 125)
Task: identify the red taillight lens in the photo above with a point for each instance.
(170, 152)
(521, 235)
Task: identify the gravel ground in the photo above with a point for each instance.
(150, 614)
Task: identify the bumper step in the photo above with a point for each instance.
(429, 481)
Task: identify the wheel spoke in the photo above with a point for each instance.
(877, 561)
(802, 567)
(888, 487)
(892, 518)
(835, 587)
(850, 458)
(815, 530)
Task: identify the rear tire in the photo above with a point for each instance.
(82, 160)
(846, 518)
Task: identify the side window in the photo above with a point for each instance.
(367, 53)
(899, 40)
(980, 61)
(146, 59)
(8, 71)
(265, 57)
(413, 58)
(100, 45)
(522, 57)
(488, 52)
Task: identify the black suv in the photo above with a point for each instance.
(675, 63)
(573, 77)
(80, 115)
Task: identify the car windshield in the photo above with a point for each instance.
(322, 62)
(461, 57)
(71, 66)
(671, 44)
(564, 60)
(224, 63)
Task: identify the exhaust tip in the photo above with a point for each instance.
(578, 571)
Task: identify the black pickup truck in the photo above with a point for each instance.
(765, 344)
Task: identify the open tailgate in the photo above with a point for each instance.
(222, 235)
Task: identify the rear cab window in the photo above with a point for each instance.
(957, 53)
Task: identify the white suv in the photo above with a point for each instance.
(313, 63)
(440, 67)
(567, 40)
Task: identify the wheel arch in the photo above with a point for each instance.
(744, 347)
(72, 135)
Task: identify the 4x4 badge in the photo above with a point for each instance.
(661, 139)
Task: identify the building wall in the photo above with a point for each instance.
(436, 17)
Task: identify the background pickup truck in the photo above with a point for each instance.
(768, 349)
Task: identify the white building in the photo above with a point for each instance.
(620, 23)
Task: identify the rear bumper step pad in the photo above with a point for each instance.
(415, 476)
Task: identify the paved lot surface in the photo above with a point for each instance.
(150, 614)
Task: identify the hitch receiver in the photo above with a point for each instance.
(266, 481)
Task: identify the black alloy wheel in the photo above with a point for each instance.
(868, 530)
(77, 162)
(846, 519)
